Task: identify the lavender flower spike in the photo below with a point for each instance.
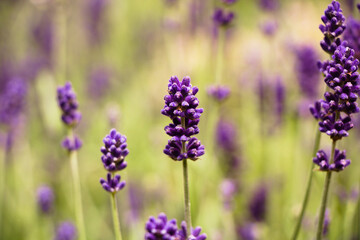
(161, 228)
(195, 234)
(45, 199)
(112, 185)
(69, 105)
(340, 161)
(66, 231)
(114, 151)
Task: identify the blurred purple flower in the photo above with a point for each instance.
(269, 27)
(226, 136)
(352, 35)
(66, 231)
(307, 71)
(228, 189)
(280, 99)
(219, 92)
(45, 199)
(13, 100)
(258, 203)
(72, 144)
(95, 12)
(99, 80)
(269, 5)
(248, 231)
(223, 18)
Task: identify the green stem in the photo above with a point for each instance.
(187, 212)
(308, 187)
(220, 55)
(325, 196)
(77, 192)
(115, 216)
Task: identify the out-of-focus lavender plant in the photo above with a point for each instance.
(280, 96)
(45, 199)
(269, 27)
(114, 152)
(307, 72)
(66, 231)
(269, 5)
(248, 231)
(99, 80)
(352, 35)
(258, 203)
(218, 93)
(71, 117)
(95, 16)
(181, 106)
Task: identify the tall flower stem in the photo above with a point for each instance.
(115, 216)
(77, 191)
(308, 187)
(187, 211)
(325, 196)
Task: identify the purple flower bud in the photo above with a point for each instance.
(45, 199)
(66, 231)
(114, 151)
(219, 93)
(112, 185)
(161, 228)
(223, 18)
(72, 144)
(68, 105)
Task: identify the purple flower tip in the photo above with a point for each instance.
(339, 164)
(195, 234)
(72, 144)
(114, 151)
(66, 231)
(69, 106)
(161, 228)
(45, 199)
(112, 185)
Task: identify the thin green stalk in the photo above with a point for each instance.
(115, 216)
(325, 196)
(187, 211)
(220, 55)
(308, 187)
(77, 192)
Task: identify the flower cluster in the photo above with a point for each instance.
(333, 27)
(219, 93)
(341, 77)
(114, 152)
(223, 17)
(162, 229)
(181, 106)
(45, 199)
(69, 105)
(340, 161)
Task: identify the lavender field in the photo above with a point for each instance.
(179, 119)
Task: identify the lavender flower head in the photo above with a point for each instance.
(340, 161)
(181, 106)
(333, 27)
(195, 233)
(160, 228)
(223, 18)
(258, 203)
(12, 101)
(45, 199)
(306, 71)
(112, 185)
(219, 93)
(69, 105)
(66, 231)
(114, 151)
